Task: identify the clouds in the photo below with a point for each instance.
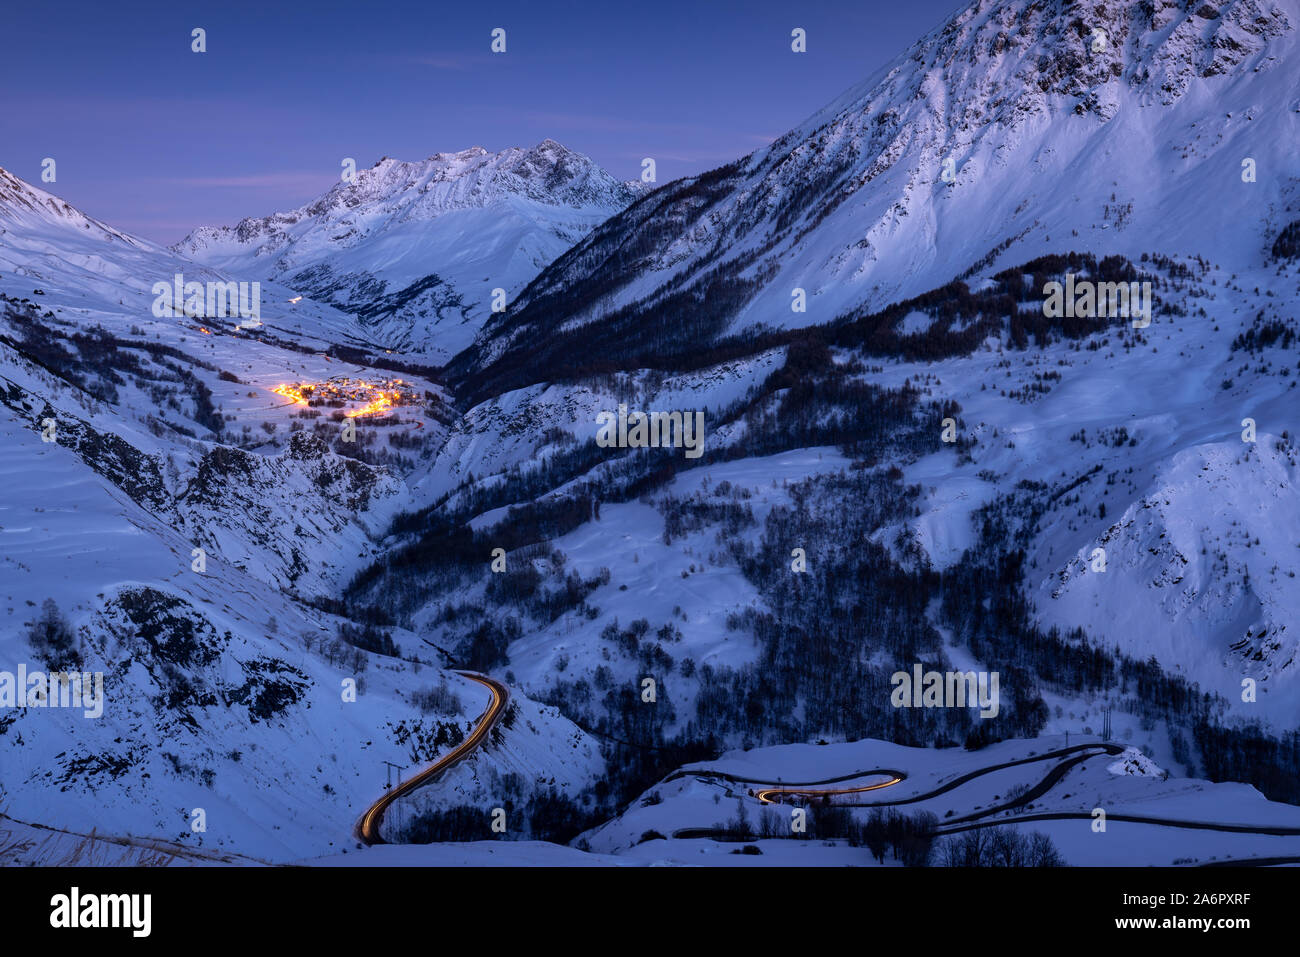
(312, 181)
(262, 120)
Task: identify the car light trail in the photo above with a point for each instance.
(776, 795)
(368, 826)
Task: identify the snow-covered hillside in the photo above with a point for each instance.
(1135, 445)
(709, 813)
(1015, 130)
(188, 525)
(107, 277)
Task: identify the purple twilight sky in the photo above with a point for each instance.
(156, 139)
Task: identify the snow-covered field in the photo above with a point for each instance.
(656, 829)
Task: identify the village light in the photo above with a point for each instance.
(378, 396)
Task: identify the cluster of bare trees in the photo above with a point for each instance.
(998, 847)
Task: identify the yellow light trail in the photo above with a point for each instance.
(777, 795)
(368, 826)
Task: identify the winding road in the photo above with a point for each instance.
(770, 794)
(773, 793)
(368, 826)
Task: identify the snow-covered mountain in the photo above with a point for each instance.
(937, 474)
(189, 524)
(1015, 130)
(108, 276)
(415, 250)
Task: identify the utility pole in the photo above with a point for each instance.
(400, 768)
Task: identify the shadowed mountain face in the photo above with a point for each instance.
(1015, 130)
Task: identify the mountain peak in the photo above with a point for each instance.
(392, 244)
(23, 204)
(19, 198)
(1004, 62)
(1016, 129)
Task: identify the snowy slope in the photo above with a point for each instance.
(222, 684)
(222, 692)
(107, 276)
(1136, 440)
(1201, 570)
(680, 820)
(696, 800)
(1052, 147)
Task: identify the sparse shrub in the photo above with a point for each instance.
(53, 640)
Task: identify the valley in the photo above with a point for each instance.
(626, 571)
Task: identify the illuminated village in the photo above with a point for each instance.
(375, 397)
